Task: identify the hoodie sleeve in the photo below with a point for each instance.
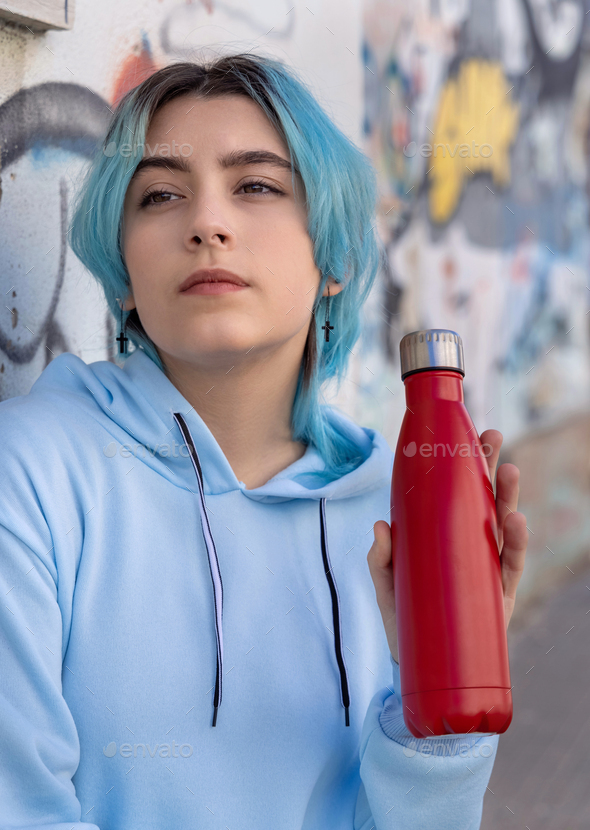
(428, 784)
(39, 745)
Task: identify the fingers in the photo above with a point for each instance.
(512, 534)
(516, 539)
(507, 489)
(494, 438)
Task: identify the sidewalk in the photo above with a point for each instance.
(541, 777)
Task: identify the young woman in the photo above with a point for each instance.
(192, 637)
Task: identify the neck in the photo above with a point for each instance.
(247, 407)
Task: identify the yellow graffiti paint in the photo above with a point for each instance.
(475, 114)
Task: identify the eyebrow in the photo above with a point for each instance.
(236, 158)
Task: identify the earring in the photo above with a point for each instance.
(327, 327)
(121, 339)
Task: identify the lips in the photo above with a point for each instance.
(211, 275)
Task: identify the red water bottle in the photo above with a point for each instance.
(453, 651)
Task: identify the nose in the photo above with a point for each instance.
(208, 225)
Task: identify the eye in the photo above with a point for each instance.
(147, 198)
(258, 183)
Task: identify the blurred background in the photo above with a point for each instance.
(476, 115)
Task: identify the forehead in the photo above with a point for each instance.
(230, 119)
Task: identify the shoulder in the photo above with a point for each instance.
(49, 432)
(30, 423)
(55, 404)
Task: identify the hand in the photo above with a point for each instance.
(512, 542)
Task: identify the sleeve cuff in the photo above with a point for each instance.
(393, 725)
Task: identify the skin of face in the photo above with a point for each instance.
(235, 356)
(210, 218)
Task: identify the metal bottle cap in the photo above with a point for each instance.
(431, 349)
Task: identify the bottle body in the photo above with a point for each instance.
(454, 667)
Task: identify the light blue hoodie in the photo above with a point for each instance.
(145, 590)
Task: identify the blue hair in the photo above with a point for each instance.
(341, 199)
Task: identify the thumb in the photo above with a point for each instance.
(380, 561)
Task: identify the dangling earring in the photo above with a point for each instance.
(327, 327)
(121, 339)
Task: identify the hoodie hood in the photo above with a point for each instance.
(140, 400)
(146, 413)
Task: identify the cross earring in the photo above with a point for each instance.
(121, 339)
(327, 327)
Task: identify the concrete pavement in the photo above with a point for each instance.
(541, 777)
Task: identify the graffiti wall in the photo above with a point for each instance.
(477, 117)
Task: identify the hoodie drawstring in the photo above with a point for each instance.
(335, 611)
(218, 585)
(213, 562)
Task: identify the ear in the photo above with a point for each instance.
(129, 302)
(335, 287)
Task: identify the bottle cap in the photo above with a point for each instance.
(431, 349)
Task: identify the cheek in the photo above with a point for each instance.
(302, 242)
(140, 251)
(135, 239)
(129, 244)
(286, 243)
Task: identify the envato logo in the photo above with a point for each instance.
(432, 450)
(464, 151)
(128, 150)
(126, 750)
(429, 746)
(139, 450)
